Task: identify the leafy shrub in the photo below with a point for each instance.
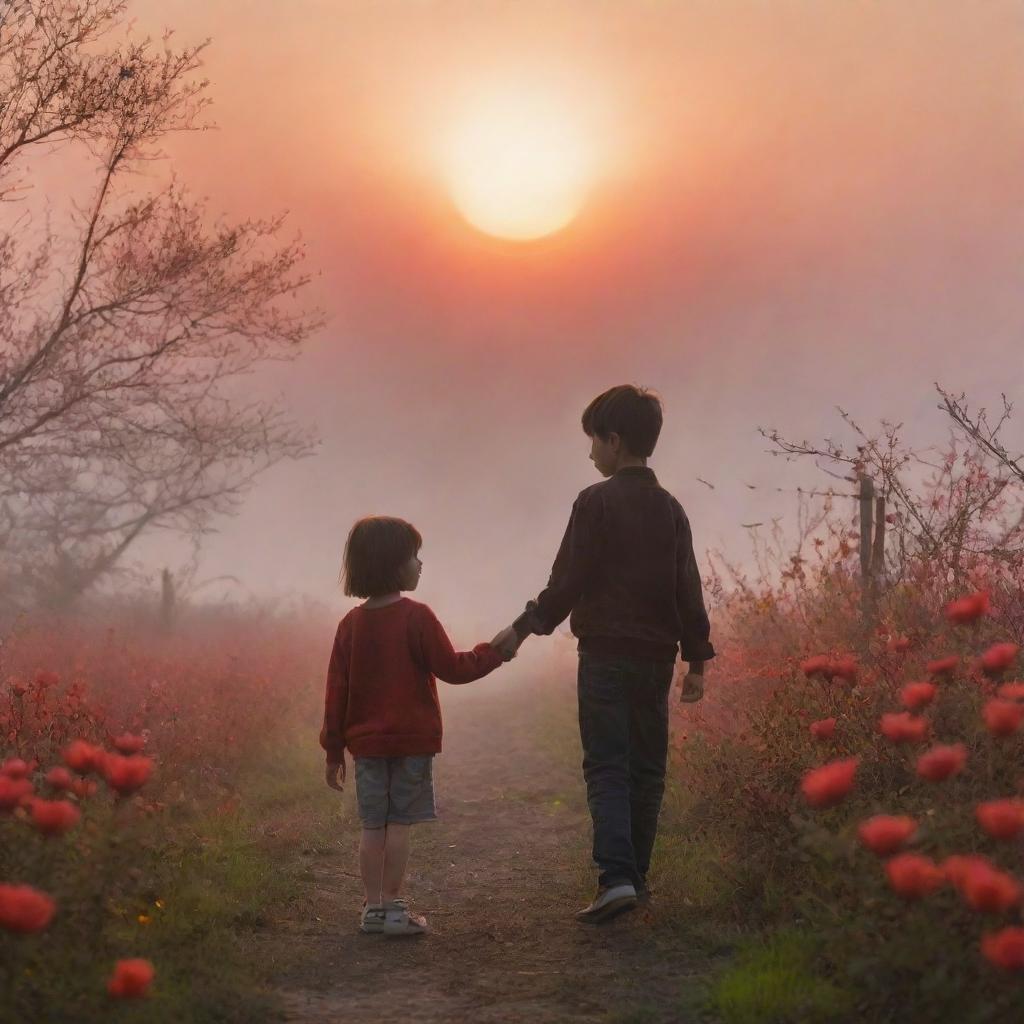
(129, 766)
(809, 683)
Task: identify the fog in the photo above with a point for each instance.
(800, 205)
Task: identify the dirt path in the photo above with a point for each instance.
(498, 877)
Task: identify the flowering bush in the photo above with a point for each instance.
(116, 750)
(866, 774)
(836, 777)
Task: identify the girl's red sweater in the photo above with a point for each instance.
(381, 690)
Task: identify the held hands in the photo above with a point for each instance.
(692, 689)
(335, 775)
(507, 643)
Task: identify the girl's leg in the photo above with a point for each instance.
(371, 862)
(396, 857)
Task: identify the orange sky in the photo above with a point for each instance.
(800, 204)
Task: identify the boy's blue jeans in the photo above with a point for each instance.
(623, 707)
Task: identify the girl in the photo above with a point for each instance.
(382, 705)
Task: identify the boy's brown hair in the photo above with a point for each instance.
(631, 412)
(376, 549)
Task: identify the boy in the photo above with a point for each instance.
(626, 572)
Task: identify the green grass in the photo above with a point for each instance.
(774, 981)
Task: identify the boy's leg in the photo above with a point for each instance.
(396, 858)
(648, 752)
(602, 689)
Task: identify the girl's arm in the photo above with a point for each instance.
(440, 658)
(332, 735)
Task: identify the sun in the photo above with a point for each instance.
(517, 166)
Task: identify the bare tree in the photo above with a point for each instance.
(981, 431)
(939, 512)
(126, 337)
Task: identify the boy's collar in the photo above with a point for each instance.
(634, 471)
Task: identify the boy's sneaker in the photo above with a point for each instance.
(399, 920)
(643, 894)
(609, 902)
(371, 917)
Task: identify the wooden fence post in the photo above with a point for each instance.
(872, 550)
(867, 502)
(167, 599)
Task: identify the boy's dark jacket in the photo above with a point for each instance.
(627, 573)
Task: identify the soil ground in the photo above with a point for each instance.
(499, 877)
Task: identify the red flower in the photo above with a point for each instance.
(823, 730)
(942, 666)
(845, 668)
(956, 867)
(898, 644)
(44, 679)
(1011, 691)
(940, 763)
(83, 788)
(818, 665)
(126, 774)
(14, 768)
(1005, 948)
(988, 889)
(54, 817)
(917, 695)
(913, 876)
(83, 757)
(884, 834)
(1002, 717)
(128, 743)
(131, 979)
(1001, 819)
(24, 909)
(829, 784)
(59, 777)
(902, 727)
(12, 792)
(19, 688)
(998, 658)
(969, 608)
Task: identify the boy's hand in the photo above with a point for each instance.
(507, 642)
(692, 689)
(335, 776)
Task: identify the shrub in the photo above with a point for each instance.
(121, 755)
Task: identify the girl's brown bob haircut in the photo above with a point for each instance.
(375, 552)
(631, 412)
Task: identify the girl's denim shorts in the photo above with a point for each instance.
(395, 790)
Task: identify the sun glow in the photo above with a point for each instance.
(517, 166)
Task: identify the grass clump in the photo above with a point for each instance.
(775, 982)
